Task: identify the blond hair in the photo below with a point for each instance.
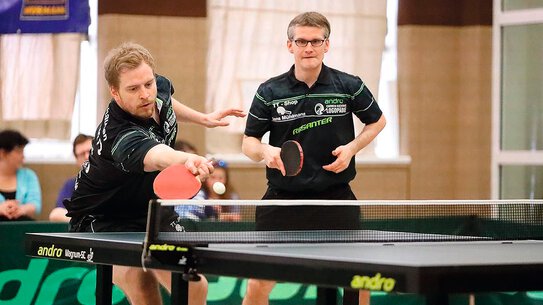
(312, 19)
(127, 56)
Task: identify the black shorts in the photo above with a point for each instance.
(330, 217)
(96, 223)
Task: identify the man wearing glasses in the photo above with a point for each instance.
(312, 104)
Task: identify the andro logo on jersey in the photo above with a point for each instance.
(375, 283)
(333, 101)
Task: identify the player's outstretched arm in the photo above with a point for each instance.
(161, 156)
(213, 119)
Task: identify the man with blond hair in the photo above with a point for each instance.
(131, 145)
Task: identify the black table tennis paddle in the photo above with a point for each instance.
(292, 156)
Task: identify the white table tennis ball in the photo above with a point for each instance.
(219, 188)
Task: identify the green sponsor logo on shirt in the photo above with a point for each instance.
(313, 124)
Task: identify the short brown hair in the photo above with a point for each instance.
(312, 19)
(129, 56)
(80, 138)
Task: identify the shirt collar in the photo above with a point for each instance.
(324, 77)
(159, 104)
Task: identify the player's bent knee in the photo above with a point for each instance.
(138, 286)
(261, 287)
(130, 277)
(199, 287)
(198, 291)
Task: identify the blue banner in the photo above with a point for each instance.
(44, 16)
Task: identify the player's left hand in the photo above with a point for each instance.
(344, 155)
(214, 119)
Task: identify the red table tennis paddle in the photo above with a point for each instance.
(292, 156)
(176, 182)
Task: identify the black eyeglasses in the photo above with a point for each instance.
(315, 42)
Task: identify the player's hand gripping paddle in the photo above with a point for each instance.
(292, 156)
(176, 182)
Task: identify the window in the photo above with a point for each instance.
(517, 141)
(388, 142)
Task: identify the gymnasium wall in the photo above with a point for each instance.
(444, 77)
(444, 84)
(175, 32)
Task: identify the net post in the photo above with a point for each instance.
(151, 232)
(153, 220)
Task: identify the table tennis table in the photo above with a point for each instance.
(431, 268)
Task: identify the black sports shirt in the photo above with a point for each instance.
(113, 184)
(320, 118)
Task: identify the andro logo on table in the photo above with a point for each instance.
(50, 251)
(59, 252)
(375, 283)
(166, 247)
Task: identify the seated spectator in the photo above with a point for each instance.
(20, 192)
(81, 147)
(221, 213)
(185, 146)
(189, 211)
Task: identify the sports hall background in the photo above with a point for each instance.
(444, 94)
(444, 98)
